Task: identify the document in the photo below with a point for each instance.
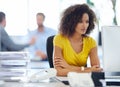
(13, 55)
(13, 64)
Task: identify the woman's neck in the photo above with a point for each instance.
(76, 37)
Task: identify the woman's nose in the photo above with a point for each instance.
(84, 24)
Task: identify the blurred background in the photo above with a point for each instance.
(21, 15)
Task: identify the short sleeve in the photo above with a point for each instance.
(58, 41)
(92, 43)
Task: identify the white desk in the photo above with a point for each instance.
(45, 83)
(49, 84)
(36, 67)
(33, 68)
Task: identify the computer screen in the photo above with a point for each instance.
(111, 48)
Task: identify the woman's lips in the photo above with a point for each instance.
(83, 30)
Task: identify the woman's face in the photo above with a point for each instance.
(82, 26)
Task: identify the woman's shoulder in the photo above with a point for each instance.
(89, 42)
(60, 37)
(88, 38)
(59, 40)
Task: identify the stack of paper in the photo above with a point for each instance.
(13, 64)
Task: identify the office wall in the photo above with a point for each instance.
(21, 14)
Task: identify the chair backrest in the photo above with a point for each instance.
(50, 50)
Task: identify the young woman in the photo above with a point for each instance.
(72, 45)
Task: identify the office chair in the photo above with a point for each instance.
(50, 50)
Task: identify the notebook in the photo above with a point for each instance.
(111, 51)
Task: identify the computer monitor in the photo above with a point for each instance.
(111, 51)
(111, 48)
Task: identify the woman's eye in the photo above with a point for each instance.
(87, 21)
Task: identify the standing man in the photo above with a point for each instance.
(6, 44)
(38, 50)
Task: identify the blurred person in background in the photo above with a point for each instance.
(6, 43)
(38, 50)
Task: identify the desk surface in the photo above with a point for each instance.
(35, 67)
(16, 84)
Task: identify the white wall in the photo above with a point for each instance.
(21, 14)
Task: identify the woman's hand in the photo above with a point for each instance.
(94, 68)
(60, 62)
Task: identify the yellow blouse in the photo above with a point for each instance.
(73, 58)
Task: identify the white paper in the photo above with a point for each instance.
(80, 79)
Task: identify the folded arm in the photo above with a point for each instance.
(63, 67)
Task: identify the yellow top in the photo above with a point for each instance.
(73, 58)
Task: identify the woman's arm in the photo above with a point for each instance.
(94, 60)
(63, 67)
(59, 63)
(58, 54)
